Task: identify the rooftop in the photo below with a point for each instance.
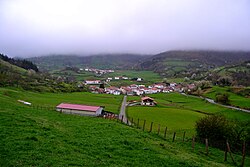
(78, 107)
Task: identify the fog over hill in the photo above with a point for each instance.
(30, 28)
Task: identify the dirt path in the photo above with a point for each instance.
(123, 111)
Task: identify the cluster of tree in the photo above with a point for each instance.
(11, 75)
(218, 129)
(20, 63)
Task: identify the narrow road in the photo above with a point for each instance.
(123, 111)
(213, 102)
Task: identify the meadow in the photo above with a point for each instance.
(111, 103)
(179, 112)
(40, 137)
(234, 99)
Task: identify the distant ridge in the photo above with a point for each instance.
(182, 61)
(102, 61)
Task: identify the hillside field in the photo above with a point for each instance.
(178, 112)
(234, 99)
(40, 137)
(111, 103)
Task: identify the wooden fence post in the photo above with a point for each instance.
(159, 128)
(225, 155)
(144, 123)
(151, 126)
(174, 136)
(184, 136)
(193, 143)
(230, 153)
(165, 133)
(206, 141)
(243, 153)
(138, 122)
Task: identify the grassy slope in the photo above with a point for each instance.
(111, 103)
(31, 137)
(188, 108)
(12, 67)
(235, 99)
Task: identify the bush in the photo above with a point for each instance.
(222, 98)
(217, 129)
(214, 127)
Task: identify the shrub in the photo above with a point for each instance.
(222, 98)
(214, 127)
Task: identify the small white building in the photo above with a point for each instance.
(79, 109)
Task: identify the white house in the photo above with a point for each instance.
(89, 82)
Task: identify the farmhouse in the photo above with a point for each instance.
(79, 109)
(148, 101)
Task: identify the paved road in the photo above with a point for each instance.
(213, 102)
(123, 111)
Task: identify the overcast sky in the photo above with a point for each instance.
(40, 27)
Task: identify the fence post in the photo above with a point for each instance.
(174, 136)
(143, 128)
(243, 153)
(230, 153)
(225, 156)
(165, 133)
(184, 136)
(193, 143)
(206, 141)
(127, 122)
(138, 121)
(159, 128)
(150, 130)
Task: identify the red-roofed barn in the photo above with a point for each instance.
(79, 109)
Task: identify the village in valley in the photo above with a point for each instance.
(138, 90)
(97, 86)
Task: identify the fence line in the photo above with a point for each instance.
(181, 135)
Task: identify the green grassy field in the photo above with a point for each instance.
(235, 100)
(178, 112)
(111, 103)
(36, 137)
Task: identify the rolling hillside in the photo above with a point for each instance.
(188, 63)
(102, 61)
(15, 76)
(33, 136)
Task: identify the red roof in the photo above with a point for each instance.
(78, 107)
(145, 98)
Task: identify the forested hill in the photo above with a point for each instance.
(183, 63)
(13, 76)
(102, 61)
(28, 65)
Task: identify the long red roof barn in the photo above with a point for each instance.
(79, 109)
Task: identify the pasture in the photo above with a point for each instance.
(234, 99)
(111, 103)
(40, 137)
(178, 112)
